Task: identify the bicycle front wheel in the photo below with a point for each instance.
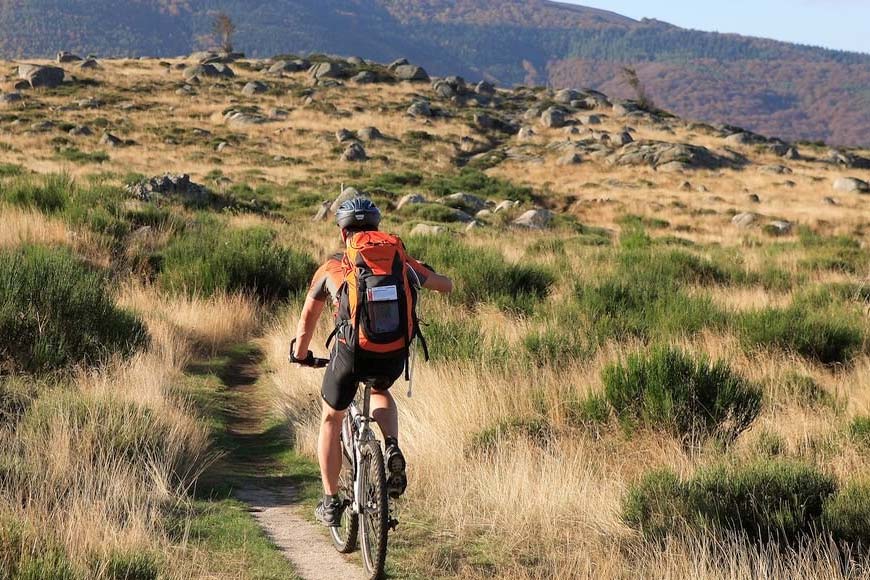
(375, 510)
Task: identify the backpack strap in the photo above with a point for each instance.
(332, 335)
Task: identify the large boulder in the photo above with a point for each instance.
(535, 219)
(664, 156)
(354, 152)
(745, 219)
(427, 230)
(370, 134)
(254, 88)
(346, 194)
(411, 72)
(169, 185)
(328, 70)
(365, 77)
(39, 76)
(10, 98)
(420, 109)
(851, 185)
(208, 70)
(286, 66)
(565, 96)
(464, 201)
(64, 56)
(553, 118)
(410, 199)
(848, 160)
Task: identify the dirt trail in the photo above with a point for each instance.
(272, 500)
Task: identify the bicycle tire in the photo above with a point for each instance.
(376, 510)
(345, 536)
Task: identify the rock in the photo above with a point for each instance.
(778, 228)
(42, 126)
(254, 88)
(472, 225)
(355, 61)
(81, 131)
(208, 70)
(244, 116)
(464, 201)
(744, 220)
(483, 214)
(221, 146)
(565, 96)
(410, 72)
(686, 186)
(525, 133)
(89, 103)
(322, 212)
(346, 194)
(364, 77)
(65, 56)
(328, 70)
(831, 201)
(485, 89)
(343, 136)
(753, 198)
(570, 159)
(41, 76)
(21, 85)
(89, 64)
(591, 120)
(851, 185)
(222, 70)
(624, 138)
(536, 219)
(553, 118)
(621, 109)
(664, 156)
(155, 188)
(286, 66)
(775, 169)
(185, 91)
(420, 109)
(739, 139)
(110, 140)
(792, 153)
(426, 230)
(10, 98)
(397, 63)
(410, 199)
(354, 152)
(444, 89)
(505, 205)
(848, 160)
(370, 134)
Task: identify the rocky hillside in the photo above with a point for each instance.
(796, 92)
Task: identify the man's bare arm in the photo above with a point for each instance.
(307, 323)
(438, 283)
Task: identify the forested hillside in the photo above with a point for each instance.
(794, 91)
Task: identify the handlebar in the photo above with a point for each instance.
(309, 361)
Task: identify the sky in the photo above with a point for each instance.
(839, 24)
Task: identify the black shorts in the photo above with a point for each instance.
(341, 380)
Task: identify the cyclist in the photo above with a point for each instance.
(346, 371)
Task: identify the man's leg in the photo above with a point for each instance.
(385, 413)
(329, 448)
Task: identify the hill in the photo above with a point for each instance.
(796, 92)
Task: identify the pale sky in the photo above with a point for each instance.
(840, 24)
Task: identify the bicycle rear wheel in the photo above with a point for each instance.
(344, 537)
(376, 510)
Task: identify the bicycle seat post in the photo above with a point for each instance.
(367, 397)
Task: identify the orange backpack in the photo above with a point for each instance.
(377, 299)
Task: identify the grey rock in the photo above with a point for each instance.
(322, 212)
(110, 140)
(254, 88)
(89, 64)
(346, 194)
(344, 136)
(485, 88)
(464, 201)
(739, 139)
(753, 198)
(565, 96)
(505, 205)
(792, 153)
(10, 98)
(286, 66)
(221, 146)
(851, 185)
(624, 138)
(483, 214)
(525, 133)
(410, 72)
(364, 77)
(779, 228)
(81, 131)
(664, 156)
(420, 109)
(444, 89)
(849, 160)
(354, 152)
(410, 199)
(427, 230)
(41, 76)
(536, 219)
(244, 116)
(570, 159)
(591, 120)
(744, 220)
(64, 56)
(397, 63)
(208, 70)
(169, 185)
(328, 70)
(775, 169)
(831, 201)
(553, 118)
(370, 134)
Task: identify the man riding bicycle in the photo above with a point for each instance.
(349, 364)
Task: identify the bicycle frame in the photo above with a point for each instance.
(361, 420)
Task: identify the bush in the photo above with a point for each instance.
(432, 212)
(456, 340)
(55, 312)
(478, 183)
(767, 500)
(551, 347)
(859, 430)
(483, 275)
(828, 336)
(50, 193)
(536, 430)
(133, 566)
(688, 398)
(847, 514)
(212, 259)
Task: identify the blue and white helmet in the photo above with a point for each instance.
(358, 212)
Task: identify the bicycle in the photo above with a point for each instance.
(363, 483)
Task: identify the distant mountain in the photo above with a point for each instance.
(788, 90)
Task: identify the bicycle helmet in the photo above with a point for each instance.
(358, 213)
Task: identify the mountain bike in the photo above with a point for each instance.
(367, 517)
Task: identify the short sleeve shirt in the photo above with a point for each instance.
(330, 276)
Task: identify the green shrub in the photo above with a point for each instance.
(847, 514)
(483, 275)
(805, 391)
(25, 557)
(689, 398)
(536, 430)
(132, 566)
(770, 444)
(432, 212)
(10, 170)
(392, 181)
(556, 346)
(766, 500)
(16, 395)
(55, 312)
(478, 183)
(456, 340)
(76, 155)
(828, 336)
(859, 430)
(212, 258)
(840, 253)
(50, 193)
